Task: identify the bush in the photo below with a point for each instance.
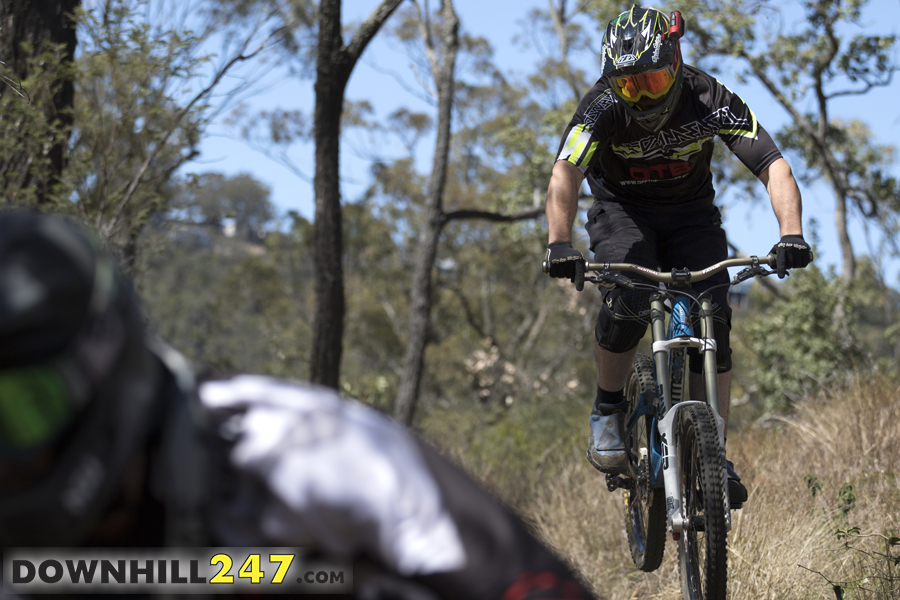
(804, 342)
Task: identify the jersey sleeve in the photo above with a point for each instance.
(582, 136)
(741, 132)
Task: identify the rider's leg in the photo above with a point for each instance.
(618, 233)
(621, 323)
(612, 367)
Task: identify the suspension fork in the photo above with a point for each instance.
(660, 359)
(710, 366)
(710, 373)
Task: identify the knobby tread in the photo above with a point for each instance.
(647, 556)
(700, 419)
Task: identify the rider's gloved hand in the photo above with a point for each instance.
(564, 261)
(792, 252)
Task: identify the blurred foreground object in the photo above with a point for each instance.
(105, 440)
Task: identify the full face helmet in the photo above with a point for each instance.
(641, 56)
(78, 385)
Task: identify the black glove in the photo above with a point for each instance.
(792, 252)
(566, 262)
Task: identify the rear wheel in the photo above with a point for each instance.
(645, 511)
(701, 549)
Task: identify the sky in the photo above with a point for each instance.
(753, 228)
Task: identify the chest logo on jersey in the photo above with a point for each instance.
(672, 170)
(685, 140)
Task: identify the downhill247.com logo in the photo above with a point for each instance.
(206, 570)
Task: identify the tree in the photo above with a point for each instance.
(334, 64)
(142, 106)
(443, 63)
(819, 63)
(37, 45)
(559, 21)
(503, 126)
(212, 198)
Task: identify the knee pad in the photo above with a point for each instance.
(721, 333)
(623, 319)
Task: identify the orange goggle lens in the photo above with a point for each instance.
(651, 85)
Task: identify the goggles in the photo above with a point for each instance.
(35, 407)
(654, 84)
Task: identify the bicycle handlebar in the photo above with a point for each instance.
(682, 275)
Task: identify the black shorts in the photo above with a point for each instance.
(659, 239)
(664, 239)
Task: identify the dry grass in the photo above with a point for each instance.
(798, 471)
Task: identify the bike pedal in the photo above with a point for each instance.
(615, 482)
(736, 506)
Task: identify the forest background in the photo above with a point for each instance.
(356, 199)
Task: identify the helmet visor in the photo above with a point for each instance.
(653, 84)
(34, 408)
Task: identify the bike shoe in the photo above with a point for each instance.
(606, 450)
(737, 493)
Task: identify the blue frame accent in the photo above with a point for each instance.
(680, 321)
(679, 325)
(656, 470)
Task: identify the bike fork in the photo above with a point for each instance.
(666, 426)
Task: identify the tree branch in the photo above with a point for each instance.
(240, 57)
(834, 168)
(467, 309)
(869, 86)
(560, 20)
(425, 32)
(493, 216)
(369, 28)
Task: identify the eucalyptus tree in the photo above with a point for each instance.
(825, 56)
(37, 47)
(491, 164)
(335, 61)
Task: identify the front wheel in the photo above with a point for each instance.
(701, 549)
(645, 506)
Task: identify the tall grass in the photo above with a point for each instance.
(824, 499)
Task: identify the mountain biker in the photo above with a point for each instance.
(643, 138)
(106, 441)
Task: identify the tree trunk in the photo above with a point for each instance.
(328, 327)
(848, 268)
(42, 24)
(334, 63)
(420, 288)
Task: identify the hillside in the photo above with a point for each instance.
(824, 497)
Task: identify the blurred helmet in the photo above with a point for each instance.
(641, 56)
(77, 382)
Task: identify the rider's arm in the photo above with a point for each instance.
(785, 196)
(562, 200)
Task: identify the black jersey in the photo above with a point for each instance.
(625, 163)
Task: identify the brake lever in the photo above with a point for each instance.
(750, 273)
(613, 279)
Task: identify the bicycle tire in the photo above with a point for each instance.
(645, 506)
(702, 548)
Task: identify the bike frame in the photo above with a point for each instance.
(669, 348)
(680, 337)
